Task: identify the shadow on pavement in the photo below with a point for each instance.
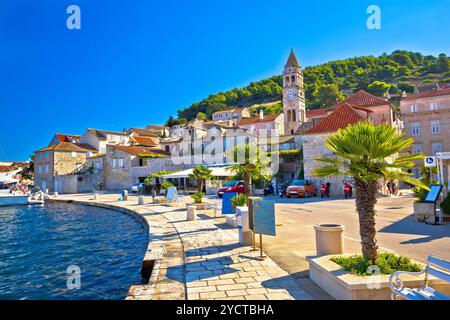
(409, 226)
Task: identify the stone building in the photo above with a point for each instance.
(427, 120)
(98, 139)
(314, 139)
(59, 159)
(235, 114)
(270, 122)
(128, 165)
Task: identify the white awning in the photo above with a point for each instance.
(215, 172)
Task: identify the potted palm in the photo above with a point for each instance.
(198, 203)
(368, 153)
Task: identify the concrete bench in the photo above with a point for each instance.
(231, 220)
(435, 267)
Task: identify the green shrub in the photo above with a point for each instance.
(387, 262)
(240, 200)
(445, 205)
(197, 197)
(166, 184)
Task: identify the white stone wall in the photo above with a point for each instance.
(314, 146)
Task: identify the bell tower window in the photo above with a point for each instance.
(294, 116)
(292, 81)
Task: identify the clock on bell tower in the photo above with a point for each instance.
(293, 95)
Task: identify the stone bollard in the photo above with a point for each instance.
(140, 200)
(95, 196)
(329, 239)
(191, 213)
(55, 194)
(245, 234)
(125, 195)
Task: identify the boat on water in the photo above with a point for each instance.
(8, 199)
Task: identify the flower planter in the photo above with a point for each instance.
(342, 285)
(200, 206)
(424, 212)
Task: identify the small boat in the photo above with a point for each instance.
(31, 202)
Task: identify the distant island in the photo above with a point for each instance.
(330, 82)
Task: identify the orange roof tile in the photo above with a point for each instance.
(229, 110)
(267, 118)
(135, 150)
(436, 93)
(145, 141)
(65, 137)
(365, 99)
(69, 146)
(343, 115)
(315, 113)
(144, 132)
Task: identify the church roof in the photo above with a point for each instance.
(343, 115)
(292, 60)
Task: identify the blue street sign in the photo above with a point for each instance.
(227, 208)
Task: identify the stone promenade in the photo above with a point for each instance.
(200, 259)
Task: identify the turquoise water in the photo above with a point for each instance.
(39, 243)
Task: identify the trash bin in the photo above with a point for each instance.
(191, 214)
(140, 200)
(124, 195)
(329, 239)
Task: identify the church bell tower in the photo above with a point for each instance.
(294, 109)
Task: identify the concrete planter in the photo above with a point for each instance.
(329, 239)
(200, 206)
(342, 285)
(424, 212)
(191, 213)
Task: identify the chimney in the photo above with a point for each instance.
(261, 114)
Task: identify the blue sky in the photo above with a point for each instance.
(137, 62)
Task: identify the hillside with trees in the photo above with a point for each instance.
(326, 83)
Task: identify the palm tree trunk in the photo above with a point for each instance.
(365, 206)
(200, 185)
(248, 184)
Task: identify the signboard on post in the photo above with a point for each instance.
(434, 193)
(264, 217)
(429, 162)
(227, 208)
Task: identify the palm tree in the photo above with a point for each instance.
(201, 174)
(250, 165)
(368, 153)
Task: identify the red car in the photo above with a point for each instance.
(232, 186)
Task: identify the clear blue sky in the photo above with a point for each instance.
(136, 62)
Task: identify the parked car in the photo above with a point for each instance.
(301, 188)
(232, 186)
(137, 187)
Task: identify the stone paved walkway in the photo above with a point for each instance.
(202, 259)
